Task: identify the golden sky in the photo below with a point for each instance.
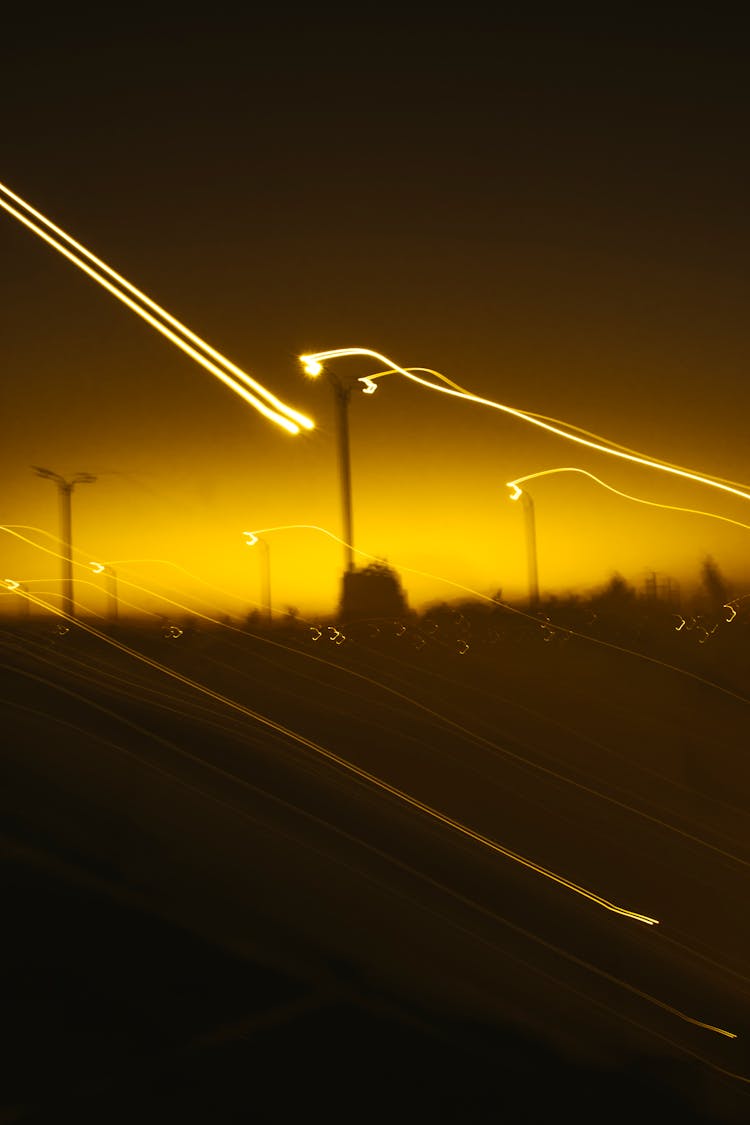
(555, 221)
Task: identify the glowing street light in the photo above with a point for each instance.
(528, 510)
(342, 389)
(11, 585)
(313, 365)
(65, 491)
(110, 575)
(252, 539)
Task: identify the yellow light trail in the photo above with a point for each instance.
(450, 892)
(273, 409)
(370, 387)
(456, 585)
(515, 486)
(313, 365)
(21, 588)
(90, 566)
(357, 771)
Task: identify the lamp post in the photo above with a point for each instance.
(252, 539)
(65, 492)
(530, 521)
(342, 389)
(110, 575)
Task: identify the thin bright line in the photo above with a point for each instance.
(280, 419)
(357, 771)
(626, 495)
(195, 339)
(663, 466)
(568, 425)
(528, 616)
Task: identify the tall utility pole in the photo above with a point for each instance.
(342, 392)
(528, 511)
(111, 577)
(267, 608)
(65, 492)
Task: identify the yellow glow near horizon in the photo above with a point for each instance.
(454, 391)
(518, 491)
(273, 409)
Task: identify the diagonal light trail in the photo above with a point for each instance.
(313, 364)
(361, 774)
(229, 373)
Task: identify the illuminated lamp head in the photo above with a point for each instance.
(515, 490)
(311, 366)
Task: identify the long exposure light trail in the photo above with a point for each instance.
(452, 893)
(456, 585)
(313, 365)
(88, 566)
(516, 490)
(357, 771)
(273, 409)
(370, 386)
(592, 791)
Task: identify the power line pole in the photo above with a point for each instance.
(65, 492)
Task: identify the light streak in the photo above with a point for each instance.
(122, 581)
(516, 491)
(337, 637)
(356, 771)
(421, 875)
(273, 409)
(535, 420)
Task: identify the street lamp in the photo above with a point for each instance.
(110, 575)
(342, 389)
(65, 491)
(252, 539)
(12, 586)
(528, 510)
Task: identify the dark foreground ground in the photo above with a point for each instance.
(203, 923)
(123, 1017)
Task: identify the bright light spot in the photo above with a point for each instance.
(252, 538)
(732, 610)
(97, 568)
(370, 386)
(11, 584)
(311, 366)
(516, 491)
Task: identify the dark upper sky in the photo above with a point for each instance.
(553, 213)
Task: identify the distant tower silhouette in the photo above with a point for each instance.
(373, 591)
